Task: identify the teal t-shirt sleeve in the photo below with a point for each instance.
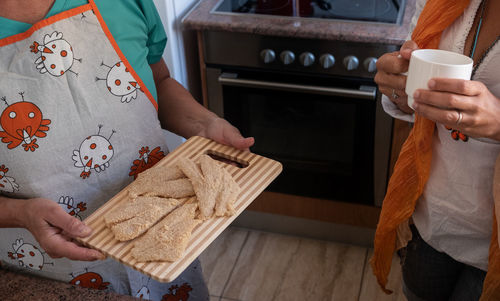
(157, 38)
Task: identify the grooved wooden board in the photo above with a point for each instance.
(252, 179)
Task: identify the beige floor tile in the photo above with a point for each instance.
(279, 267)
(370, 290)
(219, 258)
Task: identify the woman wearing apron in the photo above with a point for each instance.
(79, 120)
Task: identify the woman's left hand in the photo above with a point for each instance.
(463, 105)
(221, 131)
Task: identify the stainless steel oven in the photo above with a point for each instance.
(311, 105)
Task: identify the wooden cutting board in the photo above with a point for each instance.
(253, 179)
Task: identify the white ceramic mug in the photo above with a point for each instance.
(430, 63)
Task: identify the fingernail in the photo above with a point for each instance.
(99, 256)
(431, 83)
(405, 52)
(416, 94)
(85, 230)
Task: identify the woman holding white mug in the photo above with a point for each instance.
(442, 186)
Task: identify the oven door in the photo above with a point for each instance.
(323, 130)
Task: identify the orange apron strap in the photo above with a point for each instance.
(121, 55)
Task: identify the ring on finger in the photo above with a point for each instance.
(394, 95)
(460, 116)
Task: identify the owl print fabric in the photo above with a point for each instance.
(76, 126)
(74, 122)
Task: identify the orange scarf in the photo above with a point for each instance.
(413, 165)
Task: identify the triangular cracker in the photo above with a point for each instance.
(154, 177)
(228, 195)
(179, 188)
(134, 218)
(167, 240)
(215, 188)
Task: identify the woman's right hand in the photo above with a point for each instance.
(54, 229)
(389, 79)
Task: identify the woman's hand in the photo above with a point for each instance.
(54, 229)
(447, 99)
(221, 131)
(389, 79)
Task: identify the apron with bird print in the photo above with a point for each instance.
(76, 126)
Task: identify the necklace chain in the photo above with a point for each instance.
(473, 50)
(476, 37)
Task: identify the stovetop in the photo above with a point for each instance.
(377, 11)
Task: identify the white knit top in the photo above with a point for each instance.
(454, 214)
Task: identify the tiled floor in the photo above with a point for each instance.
(246, 265)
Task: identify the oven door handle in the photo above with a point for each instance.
(364, 92)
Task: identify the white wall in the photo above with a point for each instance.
(181, 53)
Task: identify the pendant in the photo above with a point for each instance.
(456, 134)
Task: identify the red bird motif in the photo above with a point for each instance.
(181, 293)
(21, 122)
(147, 159)
(90, 280)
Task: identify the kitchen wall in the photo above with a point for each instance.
(181, 53)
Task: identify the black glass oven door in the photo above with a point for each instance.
(324, 140)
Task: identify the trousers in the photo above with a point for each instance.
(430, 275)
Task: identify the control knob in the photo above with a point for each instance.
(307, 59)
(327, 61)
(287, 57)
(351, 62)
(267, 56)
(370, 64)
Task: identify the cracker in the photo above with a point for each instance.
(167, 240)
(123, 213)
(165, 173)
(205, 187)
(154, 177)
(214, 186)
(134, 218)
(228, 195)
(179, 188)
